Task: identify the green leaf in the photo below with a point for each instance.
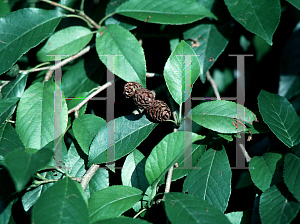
(295, 3)
(83, 76)
(22, 30)
(211, 181)
(112, 201)
(63, 202)
(35, 115)
(166, 153)
(292, 174)
(235, 217)
(129, 63)
(259, 17)
(184, 208)
(164, 11)
(175, 69)
(129, 133)
(71, 103)
(277, 205)
(133, 171)
(205, 36)
(7, 107)
(4, 8)
(22, 165)
(265, 172)
(231, 115)
(123, 220)
(9, 140)
(197, 151)
(281, 117)
(65, 42)
(16, 87)
(85, 129)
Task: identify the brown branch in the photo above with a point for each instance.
(213, 85)
(88, 176)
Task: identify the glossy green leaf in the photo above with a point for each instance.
(123, 220)
(184, 208)
(197, 151)
(7, 107)
(259, 17)
(164, 11)
(65, 42)
(22, 30)
(209, 42)
(281, 117)
(15, 88)
(292, 174)
(127, 23)
(175, 71)
(276, 205)
(129, 60)
(265, 172)
(63, 202)
(130, 131)
(231, 115)
(133, 171)
(112, 201)
(295, 3)
(4, 8)
(83, 76)
(85, 129)
(235, 217)
(22, 165)
(35, 115)
(9, 140)
(166, 153)
(211, 181)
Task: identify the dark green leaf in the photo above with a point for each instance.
(276, 205)
(211, 181)
(231, 115)
(204, 37)
(259, 17)
(133, 171)
(66, 43)
(63, 202)
(166, 153)
(112, 201)
(7, 107)
(129, 63)
(129, 133)
(175, 71)
(22, 165)
(9, 140)
(123, 220)
(22, 30)
(4, 8)
(295, 3)
(265, 171)
(16, 87)
(184, 208)
(35, 115)
(164, 11)
(281, 117)
(292, 174)
(85, 129)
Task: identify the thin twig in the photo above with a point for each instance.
(88, 176)
(100, 88)
(66, 61)
(247, 157)
(78, 12)
(214, 85)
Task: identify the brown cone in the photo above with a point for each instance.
(143, 98)
(159, 111)
(130, 88)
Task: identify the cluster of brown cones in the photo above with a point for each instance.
(145, 99)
